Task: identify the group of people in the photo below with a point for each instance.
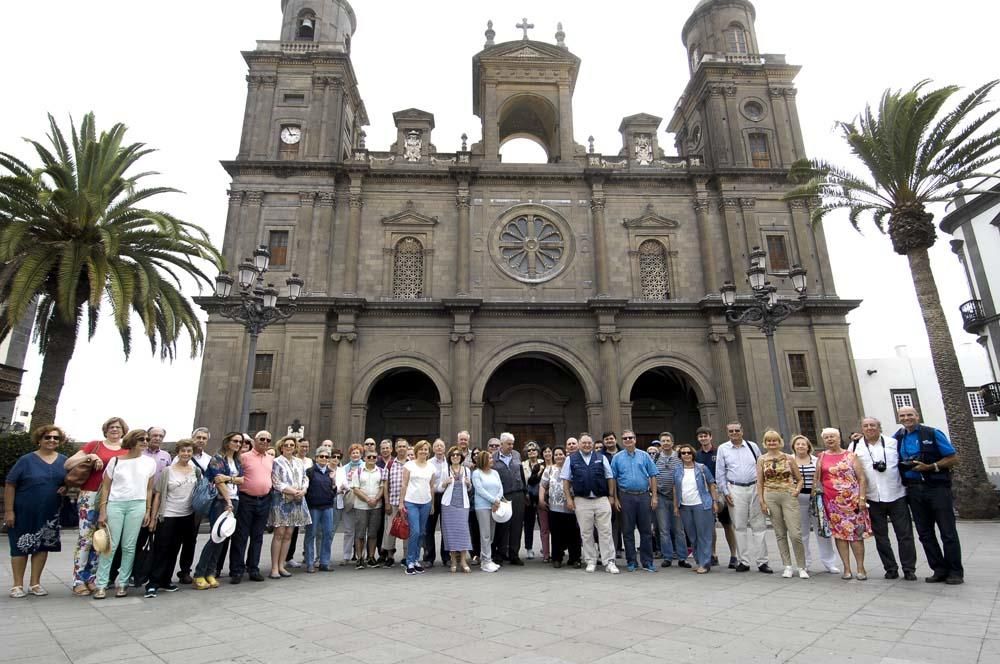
(140, 508)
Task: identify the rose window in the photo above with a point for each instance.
(531, 248)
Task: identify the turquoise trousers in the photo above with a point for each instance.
(124, 521)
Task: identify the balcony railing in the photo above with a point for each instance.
(973, 315)
(991, 397)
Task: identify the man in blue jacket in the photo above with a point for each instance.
(926, 457)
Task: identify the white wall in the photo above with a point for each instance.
(917, 372)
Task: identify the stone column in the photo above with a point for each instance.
(250, 230)
(253, 84)
(322, 223)
(709, 264)
(784, 148)
(739, 154)
(343, 383)
(263, 134)
(608, 343)
(600, 241)
(304, 232)
(735, 241)
(461, 380)
(464, 248)
(751, 231)
(723, 369)
(353, 244)
(822, 255)
(317, 121)
(232, 231)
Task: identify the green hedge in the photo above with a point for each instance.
(16, 444)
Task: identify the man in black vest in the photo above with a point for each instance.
(926, 457)
(590, 491)
(507, 463)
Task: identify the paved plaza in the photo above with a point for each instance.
(531, 615)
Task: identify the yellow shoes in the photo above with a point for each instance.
(200, 583)
(212, 581)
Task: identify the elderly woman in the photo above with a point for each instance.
(489, 493)
(347, 501)
(533, 466)
(802, 454)
(98, 453)
(416, 500)
(226, 471)
(289, 484)
(456, 482)
(173, 516)
(841, 479)
(778, 485)
(552, 504)
(32, 498)
(321, 497)
(368, 485)
(696, 503)
(126, 504)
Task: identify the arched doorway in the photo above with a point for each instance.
(403, 403)
(534, 397)
(664, 399)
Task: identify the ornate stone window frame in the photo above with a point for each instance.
(754, 100)
(265, 239)
(652, 226)
(528, 210)
(396, 227)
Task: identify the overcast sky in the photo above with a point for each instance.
(172, 71)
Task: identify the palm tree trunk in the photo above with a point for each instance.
(975, 496)
(58, 353)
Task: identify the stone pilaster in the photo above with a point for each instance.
(250, 228)
(343, 381)
(600, 241)
(736, 248)
(322, 225)
(264, 135)
(246, 138)
(232, 234)
(822, 253)
(464, 249)
(353, 244)
(706, 244)
(723, 370)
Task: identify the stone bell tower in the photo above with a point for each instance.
(738, 109)
(524, 89)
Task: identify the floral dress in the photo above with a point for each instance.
(285, 510)
(841, 497)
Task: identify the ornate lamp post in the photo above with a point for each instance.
(257, 308)
(765, 312)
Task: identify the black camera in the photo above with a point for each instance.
(879, 466)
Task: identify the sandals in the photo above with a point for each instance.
(81, 591)
(122, 591)
(17, 592)
(847, 576)
(100, 593)
(38, 591)
(861, 576)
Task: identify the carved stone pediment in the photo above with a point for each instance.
(649, 219)
(409, 217)
(519, 49)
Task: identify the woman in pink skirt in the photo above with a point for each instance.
(842, 479)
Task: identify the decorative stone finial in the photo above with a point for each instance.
(490, 34)
(361, 139)
(590, 143)
(560, 36)
(465, 142)
(524, 25)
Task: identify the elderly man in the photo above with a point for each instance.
(252, 511)
(673, 544)
(926, 458)
(589, 487)
(143, 556)
(507, 464)
(736, 463)
(635, 476)
(879, 457)
(394, 484)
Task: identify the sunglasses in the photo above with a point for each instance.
(51, 437)
(264, 440)
(628, 437)
(371, 456)
(493, 447)
(322, 456)
(686, 453)
(141, 439)
(338, 456)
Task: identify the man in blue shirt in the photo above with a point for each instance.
(926, 457)
(635, 474)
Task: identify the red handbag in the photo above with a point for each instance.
(400, 526)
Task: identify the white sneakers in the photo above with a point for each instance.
(787, 574)
(489, 567)
(833, 570)
(611, 568)
(803, 574)
(531, 554)
(590, 568)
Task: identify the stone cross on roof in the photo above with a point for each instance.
(524, 25)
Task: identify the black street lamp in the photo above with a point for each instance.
(257, 308)
(766, 311)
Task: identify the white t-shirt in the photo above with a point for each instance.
(419, 488)
(179, 488)
(130, 477)
(689, 488)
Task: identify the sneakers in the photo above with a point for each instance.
(650, 567)
(418, 569)
(489, 567)
(388, 563)
(803, 574)
(361, 565)
(632, 567)
(410, 570)
(201, 583)
(531, 554)
(591, 567)
(170, 588)
(684, 563)
(833, 570)
(787, 573)
(666, 563)
(212, 581)
(294, 564)
(150, 592)
(372, 562)
(733, 562)
(611, 568)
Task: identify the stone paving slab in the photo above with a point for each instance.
(529, 615)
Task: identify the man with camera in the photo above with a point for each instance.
(879, 456)
(926, 457)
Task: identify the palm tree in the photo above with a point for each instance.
(73, 235)
(917, 154)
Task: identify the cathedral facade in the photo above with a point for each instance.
(451, 291)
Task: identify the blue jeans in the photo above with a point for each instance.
(209, 560)
(636, 513)
(324, 522)
(416, 514)
(672, 542)
(699, 524)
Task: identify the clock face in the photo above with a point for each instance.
(291, 135)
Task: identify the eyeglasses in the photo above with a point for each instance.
(628, 437)
(371, 456)
(264, 440)
(51, 437)
(338, 456)
(686, 453)
(322, 456)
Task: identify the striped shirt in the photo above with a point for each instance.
(665, 463)
(808, 472)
